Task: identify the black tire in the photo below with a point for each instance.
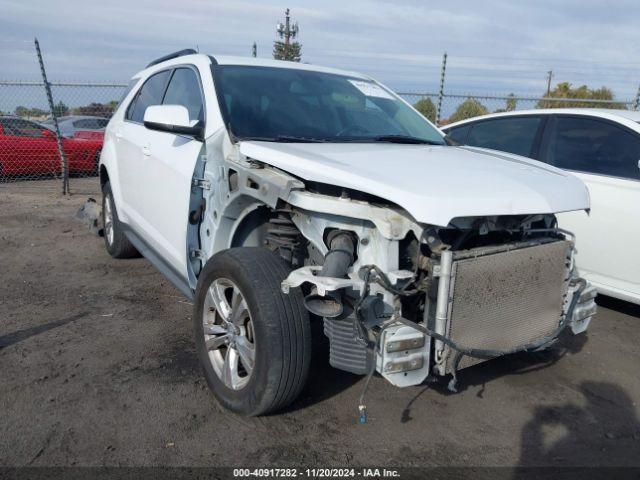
(280, 324)
(118, 245)
(96, 165)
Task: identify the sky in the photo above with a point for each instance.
(493, 47)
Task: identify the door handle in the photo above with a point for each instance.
(146, 150)
(118, 134)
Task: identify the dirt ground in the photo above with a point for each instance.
(99, 368)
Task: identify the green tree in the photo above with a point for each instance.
(511, 104)
(565, 90)
(22, 111)
(60, 109)
(291, 52)
(426, 107)
(467, 109)
(97, 109)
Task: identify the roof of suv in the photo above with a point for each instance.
(249, 61)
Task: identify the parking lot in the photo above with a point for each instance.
(99, 368)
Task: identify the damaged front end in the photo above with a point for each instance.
(412, 301)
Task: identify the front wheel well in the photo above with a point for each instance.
(272, 229)
(252, 230)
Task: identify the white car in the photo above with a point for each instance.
(602, 148)
(275, 194)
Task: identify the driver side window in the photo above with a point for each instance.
(184, 89)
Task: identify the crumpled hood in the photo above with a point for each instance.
(433, 183)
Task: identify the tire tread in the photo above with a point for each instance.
(264, 271)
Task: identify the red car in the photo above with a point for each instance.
(27, 148)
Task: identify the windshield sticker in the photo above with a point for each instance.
(371, 89)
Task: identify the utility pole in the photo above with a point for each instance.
(254, 50)
(549, 76)
(441, 91)
(287, 32)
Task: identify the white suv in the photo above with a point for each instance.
(275, 194)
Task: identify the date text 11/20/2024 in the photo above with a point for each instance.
(316, 473)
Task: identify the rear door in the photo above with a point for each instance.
(605, 156)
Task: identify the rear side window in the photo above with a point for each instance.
(514, 135)
(91, 123)
(150, 94)
(184, 89)
(594, 146)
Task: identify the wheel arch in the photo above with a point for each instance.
(250, 228)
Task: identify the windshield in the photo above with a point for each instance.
(281, 104)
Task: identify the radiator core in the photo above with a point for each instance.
(507, 299)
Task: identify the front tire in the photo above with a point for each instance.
(117, 243)
(253, 341)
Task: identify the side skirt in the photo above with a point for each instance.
(157, 261)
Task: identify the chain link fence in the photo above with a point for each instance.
(29, 151)
(455, 107)
(28, 143)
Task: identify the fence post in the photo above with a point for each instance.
(636, 102)
(441, 92)
(47, 88)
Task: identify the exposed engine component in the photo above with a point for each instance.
(336, 265)
(284, 237)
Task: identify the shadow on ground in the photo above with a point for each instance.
(25, 333)
(515, 364)
(593, 431)
(324, 381)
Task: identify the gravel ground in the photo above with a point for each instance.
(98, 368)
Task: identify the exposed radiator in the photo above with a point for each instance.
(506, 299)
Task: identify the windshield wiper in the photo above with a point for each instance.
(404, 139)
(286, 139)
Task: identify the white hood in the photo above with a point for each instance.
(433, 183)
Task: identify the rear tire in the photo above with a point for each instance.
(116, 242)
(272, 337)
(95, 171)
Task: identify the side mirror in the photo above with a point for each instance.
(48, 134)
(172, 119)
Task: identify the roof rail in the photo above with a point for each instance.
(180, 53)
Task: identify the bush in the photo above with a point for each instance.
(467, 109)
(426, 107)
(566, 91)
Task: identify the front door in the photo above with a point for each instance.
(161, 165)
